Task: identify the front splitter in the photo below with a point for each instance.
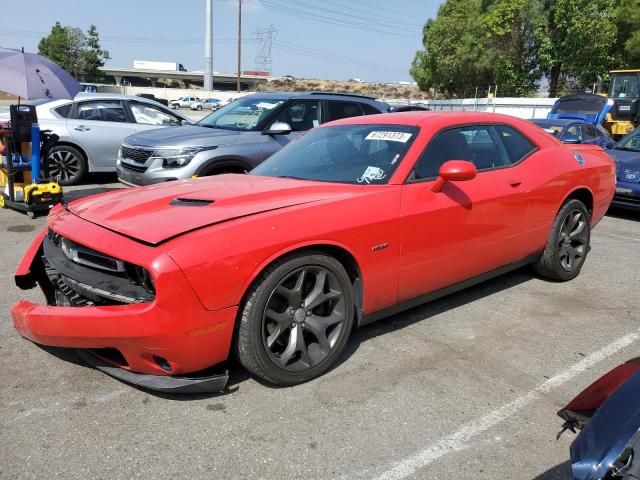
(159, 383)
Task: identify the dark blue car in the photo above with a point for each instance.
(608, 415)
(576, 131)
(626, 154)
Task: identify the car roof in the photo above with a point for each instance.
(110, 96)
(311, 95)
(422, 118)
(556, 121)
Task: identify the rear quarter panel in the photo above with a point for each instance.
(556, 174)
(221, 261)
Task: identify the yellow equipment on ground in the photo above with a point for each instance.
(21, 186)
(624, 90)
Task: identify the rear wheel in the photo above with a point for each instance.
(199, 107)
(296, 319)
(67, 165)
(568, 243)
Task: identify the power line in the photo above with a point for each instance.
(324, 19)
(375, 15)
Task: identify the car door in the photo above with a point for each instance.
(99, 126)
(148, 116)
(301, 115)
(470, 227)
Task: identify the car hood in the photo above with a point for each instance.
(184, 136)
(157, 213)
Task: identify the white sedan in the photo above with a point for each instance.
(91, 128)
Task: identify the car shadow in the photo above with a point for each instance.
(70, 195)
(238, 375)
(623, 214)
(559, 472)
(423, 313)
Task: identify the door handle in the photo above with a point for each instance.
(82, 128)
(514, 182)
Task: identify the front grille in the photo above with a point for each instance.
(81, 277)
(134, 168)
(138, 155)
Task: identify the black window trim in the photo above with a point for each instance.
(408, 180)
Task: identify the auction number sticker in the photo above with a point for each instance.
(402, 137)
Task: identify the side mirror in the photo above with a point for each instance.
(572, 140)
(454, 171)
(278, 128)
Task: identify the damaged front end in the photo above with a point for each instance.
(141, 323)
(607, 414)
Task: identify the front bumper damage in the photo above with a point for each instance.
(156, 343)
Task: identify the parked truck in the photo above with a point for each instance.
(152, 65)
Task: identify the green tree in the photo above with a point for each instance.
(451, 59)
(70, 48)
(511, 41)
(93, 56)
(576, 44)
(626, 49)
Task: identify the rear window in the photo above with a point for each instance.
(64, 111)
(516, 144)
(338, 110)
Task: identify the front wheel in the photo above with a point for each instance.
(199, 108)
(296, 319)
(568, 243)
(67, 165)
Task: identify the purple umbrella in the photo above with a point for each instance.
(31, 76)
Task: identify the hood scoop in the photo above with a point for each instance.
(190, 202)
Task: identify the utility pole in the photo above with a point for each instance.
(208, 47)
(239, 44)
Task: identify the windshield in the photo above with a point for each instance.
(631, 142)
(243, 114)
(356, 154)
(623, 86)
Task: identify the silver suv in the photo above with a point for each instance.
(235, 138)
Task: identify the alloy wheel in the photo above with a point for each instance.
(304, 318)
(573, 239)
(64, 165)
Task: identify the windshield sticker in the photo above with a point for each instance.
(402, 137)
(266, 106)
(371, 174)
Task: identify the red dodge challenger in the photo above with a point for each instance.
(351, 222)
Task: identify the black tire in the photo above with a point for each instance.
(302, 345)
(568, 243)
(175, 106)
(199, 108)
(67, 165)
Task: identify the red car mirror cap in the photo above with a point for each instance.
(454, 171)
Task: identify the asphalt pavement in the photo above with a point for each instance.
(464, 387)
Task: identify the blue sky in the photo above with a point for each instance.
(374, 40)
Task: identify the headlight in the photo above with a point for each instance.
(177, 157)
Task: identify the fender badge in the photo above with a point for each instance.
(579, 158)
(379, 247)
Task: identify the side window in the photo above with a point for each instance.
(64, 111)
(478, 144)
(517, 145)
(589, 132)
(101, 110)
(337, 110)
(573, 134)
(150, 115)
(369, 110)
(301, 115)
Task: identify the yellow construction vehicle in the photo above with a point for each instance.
(624, 90)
